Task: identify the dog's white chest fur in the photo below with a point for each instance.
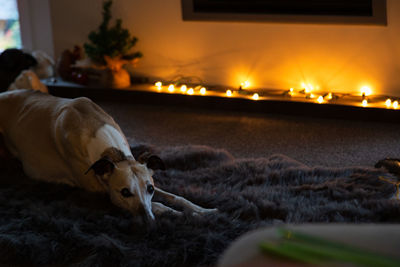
(106, 137)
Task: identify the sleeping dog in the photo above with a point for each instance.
(73, 141)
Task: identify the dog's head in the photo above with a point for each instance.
(129, 182)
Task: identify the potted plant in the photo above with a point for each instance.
(109, 49)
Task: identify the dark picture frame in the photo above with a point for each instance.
(213, 10)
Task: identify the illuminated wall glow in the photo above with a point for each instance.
(332, 56)
(304, 86)
(308, 88)
(245, 84)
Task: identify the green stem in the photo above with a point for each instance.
(315, 250)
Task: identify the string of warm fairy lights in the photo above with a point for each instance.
(306, 92)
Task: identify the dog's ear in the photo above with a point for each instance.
(152, 161)
(155, 163)
(102, 167)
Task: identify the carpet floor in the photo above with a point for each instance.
(57, 225)
(313, 141)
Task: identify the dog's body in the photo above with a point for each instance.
(49, 136)
(73, 141)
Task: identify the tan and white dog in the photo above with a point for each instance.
(73, 141)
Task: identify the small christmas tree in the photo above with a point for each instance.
(113, 42)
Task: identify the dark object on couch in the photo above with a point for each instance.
(12, 62)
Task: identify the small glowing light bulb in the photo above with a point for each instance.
(229, 92)
(171, 88)
(190, 91)
(388, 102)
(308, 88)
(255, 96)
(203, 90)
(329, 96)
(366, 91)
(312, 96)
(320, 99)
(364, 103)
(245, 84)
(395, 104)
(291, 90)
(158, 85)
(183, 88)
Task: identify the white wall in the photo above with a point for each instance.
(337, 57)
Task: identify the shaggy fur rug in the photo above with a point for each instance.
(47, 224)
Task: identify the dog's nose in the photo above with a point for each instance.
(149, 221)
(147, 215)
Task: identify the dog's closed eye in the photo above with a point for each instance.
(126, 193)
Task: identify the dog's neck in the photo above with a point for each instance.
(108, 141)
(115, 155)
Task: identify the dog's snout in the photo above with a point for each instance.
(146, 214)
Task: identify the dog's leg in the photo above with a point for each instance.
(159, 208)
(186, 204)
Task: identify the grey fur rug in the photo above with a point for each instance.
(47, 224)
